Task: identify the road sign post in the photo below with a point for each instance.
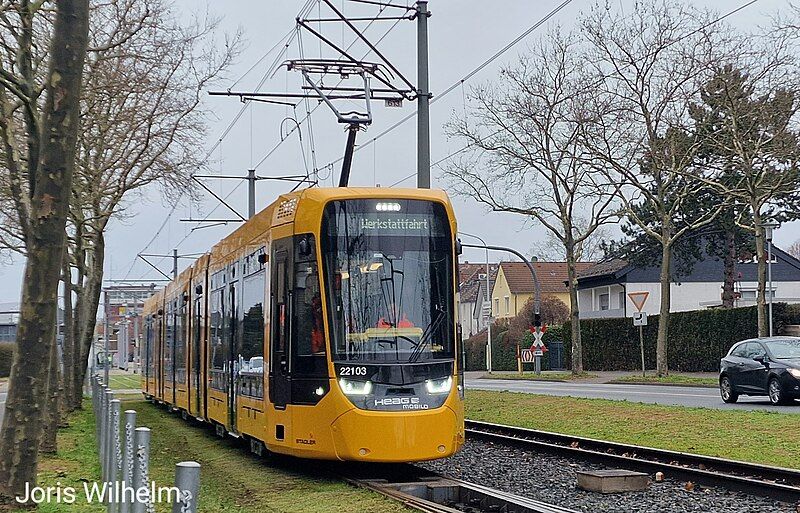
(640, 318)
(538, 348)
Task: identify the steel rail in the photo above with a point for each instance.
(434, 493)
(774, 482)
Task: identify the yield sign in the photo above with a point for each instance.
(639, 299)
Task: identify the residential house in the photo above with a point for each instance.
(514, 285)
(9, 318)
(472, 296)
(603, 288)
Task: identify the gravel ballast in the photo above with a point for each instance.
(552, 479)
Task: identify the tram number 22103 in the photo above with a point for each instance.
(353, 371)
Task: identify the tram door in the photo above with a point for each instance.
(159, 360)
(279, 376)
(232, 335)
(197, 332)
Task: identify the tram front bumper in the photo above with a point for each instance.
(361, 435)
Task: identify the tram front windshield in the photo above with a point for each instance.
(388, 268)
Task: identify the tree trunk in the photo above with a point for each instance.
(76, 392)
(90, 302)
(22, 425)
(68, 347)
(51, 417)
(729, 269)
(761, 256)
(575, 323)
(663, 313)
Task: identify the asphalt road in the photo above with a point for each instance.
(654, 394)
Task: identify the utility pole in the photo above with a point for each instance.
(423, 99)
(251, 193)
(174, 264)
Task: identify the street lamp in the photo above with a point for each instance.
(489, 302)
(768, 229)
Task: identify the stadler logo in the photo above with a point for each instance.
(394, 224)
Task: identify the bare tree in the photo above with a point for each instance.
(143, 123)
(588, 250)
(648, 65)
(38, 143)
(528, 155)
(794, 249)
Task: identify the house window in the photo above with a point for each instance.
(622, 299)
(508, 304)
(496, 306)
(753, 294)
(603, 301)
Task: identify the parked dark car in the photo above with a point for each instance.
(763, 366)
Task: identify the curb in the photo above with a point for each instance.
(588, 381)
(650, 383)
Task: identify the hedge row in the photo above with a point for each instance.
(697, 340)
(6, 357)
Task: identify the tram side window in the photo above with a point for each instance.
(252, 341)
(180, 341)
(217, 362)
(231, 335)
(147, 349)
(308, 331)
(169, 345)
(280, 294)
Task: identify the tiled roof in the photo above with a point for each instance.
(603, 268)
(469, 291)
(552, 276)
(468, 271)
(473, 277)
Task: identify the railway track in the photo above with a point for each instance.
(774, 482)
(433, 493)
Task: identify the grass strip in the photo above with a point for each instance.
(544, 376)
(756, 436)
(232, 481)
(672, 379)
(125, 381)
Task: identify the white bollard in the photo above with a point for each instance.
(141, 470)
(114, 450)
(128, 459)
(187, 480)
(105, 435)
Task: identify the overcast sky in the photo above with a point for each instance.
(462, 33)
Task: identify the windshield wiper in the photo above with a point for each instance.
(423, 341)
(395, 341)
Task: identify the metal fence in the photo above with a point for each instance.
(124, 452)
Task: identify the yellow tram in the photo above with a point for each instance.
(324, 327)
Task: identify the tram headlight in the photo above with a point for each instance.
(355, 387)
(439, 386)
(387, 207)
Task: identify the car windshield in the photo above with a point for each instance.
(388, 269)
(785, 348)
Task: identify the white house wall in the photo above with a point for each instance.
(684, 297)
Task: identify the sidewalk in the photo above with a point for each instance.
(595, 377)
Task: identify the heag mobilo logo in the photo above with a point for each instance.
(408, 403)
